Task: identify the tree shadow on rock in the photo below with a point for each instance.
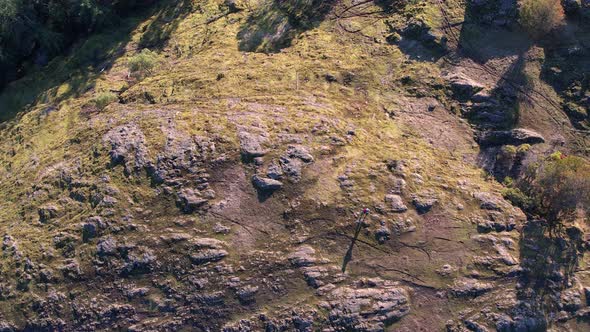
(489, 31)
(276, 23)
(548, 263)
(567, 69)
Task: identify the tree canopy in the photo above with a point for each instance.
(34, 31)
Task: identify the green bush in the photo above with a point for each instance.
(143, 62)
(560, 188)
(539, 17)
(103, 99)
(518, 198)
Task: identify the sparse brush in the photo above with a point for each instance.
(143, 62)
(103, 99)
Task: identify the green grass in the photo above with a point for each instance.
(103, 99)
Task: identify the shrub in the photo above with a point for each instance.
(560, 188)
(539, 17)
(518, 198)
(143, 62)
(103, 99)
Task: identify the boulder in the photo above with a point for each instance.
(488, 201)
(468, 287)
(509, 137)
(303, 256)
(424, 204)
(189, 200)
(106, 247)
(47, 213)
(266, 184)
(207, 256)
(251, 145)
(464, 87)
(396, 203)
(247, 294)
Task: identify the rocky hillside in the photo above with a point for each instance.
(202, 166)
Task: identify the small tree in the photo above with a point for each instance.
(143, 62)
(561, 188)
(539, 17)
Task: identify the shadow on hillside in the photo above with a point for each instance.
(487, 31)
(275, 24)
(168, 17)
(74, 74)
(567, 69)
(548, 264)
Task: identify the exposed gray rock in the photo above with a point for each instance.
(127, 147)
(175, 238)
(475, 326)
(266, 185)
(106, 247)
(423, 204)
(247, 294)
(468, 287)
(382, 234)
(47, 213)
(91, 227)
(299, 152)
(403, 226)
(398, 186)
(510, 137)
(208, 255)
(190, 200)
(303, 256)
(207, 243)
(141, 260)
(7, 327)
(251, 145)
(221, 229)
(488, 201)
(292, 168)
(571, 300)
(368, 305)
(396, 203)
(71, 269)
(486, 226)
(464, 87)
(274, 171)
(320, 275)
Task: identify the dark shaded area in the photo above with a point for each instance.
(548, 264)
(357, 231)
(158, 32)
(275, 25)
(500, 109)
(82, 66)
(567, 70)
(34, 32)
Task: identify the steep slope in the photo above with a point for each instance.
(221, 191)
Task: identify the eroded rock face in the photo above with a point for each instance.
(464, 87)
(367, 305)
(510, 137)
(468, 287)
(127, 147)
(251, 144)
(266, 185)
